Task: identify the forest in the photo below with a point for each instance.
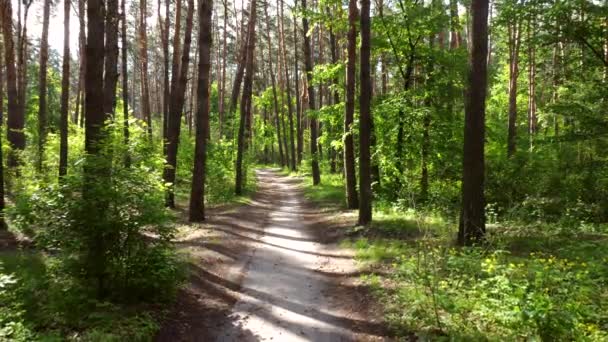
(303, 170)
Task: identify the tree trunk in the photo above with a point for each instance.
(299, 130)
(472, 219)
(2, 222)
(81, 69)
(532, 119)
(176, 106)
(514, 43)
(65, 92)
(352, 198)
(197, 194)
(166, 89)
(111, 59)
(125, 81)
(246, 98)
(15, 123)
(316, 173)
(365, 119)
(42, 84)
(292, 143)
(146, 112)
(273, 84)
(240, 70)
(223, 77)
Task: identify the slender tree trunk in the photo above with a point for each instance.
(352, 198)
(65, 92)
(223, 77)
(42, 84)
(146, 112)
(514, 43)
(274, 89)
(365, 119)
(176, 106)
(111, 58)
(472, 219)
(175, 66)
(287, 86)
(455, 28)
(166, 86)
(81, 69)
(16, 121)
(2, 222)
(197, 194)
(316, 173)
(532, 119)
(125, 81)
(240, 70)
(246, 98)
(299, 129)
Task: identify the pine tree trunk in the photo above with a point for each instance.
(352, 198)
(299, 130)
(274, 89)
(176, 107)
(166, 86)
(2, 221)
(223, 77)
(292, 144)
(146, 112)
(365, 119)
(111, 58)
(240, 70)
(316, 173)
(125, 81)
(42, 84)
(65, 92)
(197, 194)
(514, 43)
(246, 98)
(472, 219)
(532, 119)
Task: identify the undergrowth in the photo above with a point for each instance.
(528, 282)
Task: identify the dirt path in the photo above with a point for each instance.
(262, 275)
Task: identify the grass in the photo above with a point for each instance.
(526, 283)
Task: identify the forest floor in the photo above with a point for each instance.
(272, 270)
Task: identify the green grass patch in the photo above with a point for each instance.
(531, 283)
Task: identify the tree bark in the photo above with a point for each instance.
(176, 106)
(287, 87)
(472, 219)
(299, 129)
(246, 98)
(240, 70)
(42, 83)
(223, 77)
(352, 198)
(365, 119)
(2, 221)
(111, 59)
(532, 119)
(65, 92)
(316, 173)
(274, 89)
(82, 66)
(514, 44)
(166, 86)
(197, 194)
(146, 112)
(125, 82)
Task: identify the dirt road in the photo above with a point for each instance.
(261, 274)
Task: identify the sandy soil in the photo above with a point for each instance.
(262, 272)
